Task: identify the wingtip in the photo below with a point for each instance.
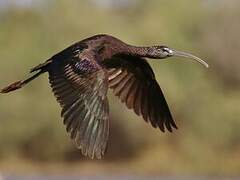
(174, 126)
(161, 129)
(170, 128)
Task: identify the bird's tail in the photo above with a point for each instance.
(19, 84)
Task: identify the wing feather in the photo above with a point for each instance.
(80, 86)
(133, 81)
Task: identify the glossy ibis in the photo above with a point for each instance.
(81, 75)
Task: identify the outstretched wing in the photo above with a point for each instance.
(133, 81)
(80, 86)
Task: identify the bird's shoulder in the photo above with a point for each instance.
(80, 52)
(71, 51)
(90, 52)
(93, 43)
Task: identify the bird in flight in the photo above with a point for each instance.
(81, 75)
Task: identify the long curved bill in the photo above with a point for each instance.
(188, 55)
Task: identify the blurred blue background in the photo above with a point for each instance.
(205, 102)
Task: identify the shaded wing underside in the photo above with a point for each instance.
(80, 87)
(133, 81)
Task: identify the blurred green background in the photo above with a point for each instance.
(205, 102)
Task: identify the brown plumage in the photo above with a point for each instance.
(81, 75)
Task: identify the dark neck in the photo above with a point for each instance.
(119, 47)
(139, 51)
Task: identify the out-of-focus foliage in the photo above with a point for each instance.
(204, 102)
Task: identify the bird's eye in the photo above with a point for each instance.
(164, 48)
(167, 50)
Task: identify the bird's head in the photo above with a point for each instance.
(162, 52)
